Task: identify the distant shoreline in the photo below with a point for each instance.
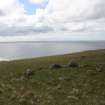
(35, 49)
(53, 41)
(8, 60)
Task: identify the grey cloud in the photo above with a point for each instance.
(59, 20)
(24, 30)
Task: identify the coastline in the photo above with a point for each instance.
(19, 59)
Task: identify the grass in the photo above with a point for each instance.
(84, 85)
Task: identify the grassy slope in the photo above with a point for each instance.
(67, 86)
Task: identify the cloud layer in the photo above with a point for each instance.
(59, 16)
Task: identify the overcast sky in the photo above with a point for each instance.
(29, 20)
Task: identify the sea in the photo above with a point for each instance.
(26, 50)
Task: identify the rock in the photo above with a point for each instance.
(75, 91)
(55, 66)
(100, 67)
(73, 64)
(28, 73)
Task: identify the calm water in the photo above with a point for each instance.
(13, 51)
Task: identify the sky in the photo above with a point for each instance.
(52, 20)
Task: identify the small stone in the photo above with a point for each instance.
(99, 67)
(75, 91)
(28, 73)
